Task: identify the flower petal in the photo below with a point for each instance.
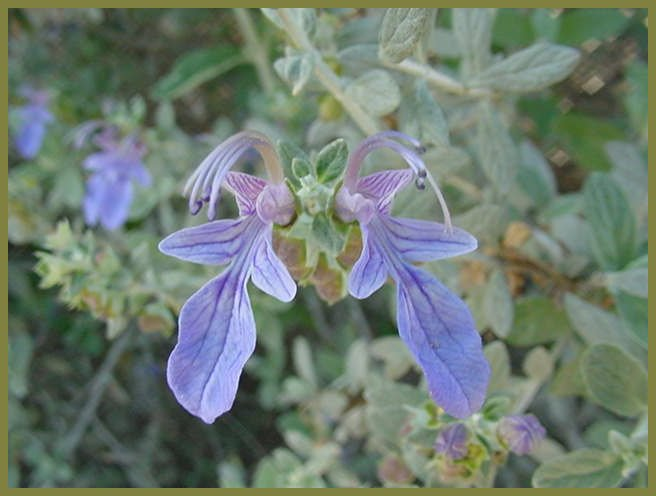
(382, 186)
(140, 174)
(216, 337)
(270, 274)
(32, 130)
(246, 189)
(369, 273)
(213, 243)
(93, 199)
(423, 241)
(116, 203)
(439, 330)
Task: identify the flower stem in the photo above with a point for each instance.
(256, 52)
(326, 75)
(436, 78)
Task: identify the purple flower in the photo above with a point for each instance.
(32, 120)
(114, 168)
(452, 441)
(433, 322)
(521, 433)
(216, 326)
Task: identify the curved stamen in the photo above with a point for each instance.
(372, 143)
(211, 172)
(384, 140)
(440, 198)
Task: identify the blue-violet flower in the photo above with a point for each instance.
(521, 433)
(452, 441)
(434, 323)
(113, 170)
(216, 326)
(32, 120)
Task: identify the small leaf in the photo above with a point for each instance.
(596, 326)
(538, 364)
(611, 221)
(614, 380)
(498, 304)
(580, 468)
(357, 365)
(376, 92)
(583, 137)
(535, 175)
(301, 168)
(531, 69)
(496, 151)
(195, 68)
(331, 161)
(385, 408)
(537, 320)
(497, 354)
(632, 281)
(401, 31)
(295, 70)
(303, 361)
(580, 25)
(486, 222)
(473, 29)
(423, 118)
(287, 152)
(545, 25)
(635, 313)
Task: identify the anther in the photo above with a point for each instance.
(421, 173)
(420, 184)
(195, 208)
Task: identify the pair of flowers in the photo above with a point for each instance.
(216, 325)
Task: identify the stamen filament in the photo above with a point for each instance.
(213, 169)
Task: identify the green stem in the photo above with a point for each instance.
(255, 51)
(326, 75)
(436, 78)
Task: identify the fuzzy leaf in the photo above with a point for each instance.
(580, 468)
(496, 151)
(195, 68)
(295, 70)
(531, 69)
(376, 92)
(612, 223)
(331, 161)
(473, 29)
(401, 31)
(614, 380)
(498, 304)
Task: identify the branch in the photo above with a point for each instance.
(326, 75)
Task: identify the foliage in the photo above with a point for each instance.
(535, 125)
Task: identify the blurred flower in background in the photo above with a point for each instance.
(521, 433)
(113, 170)
(32, 119)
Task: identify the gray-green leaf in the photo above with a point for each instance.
(498, 304)
(376, 92)
(401, 31)
(537, 320)
(195, 68)
(423, 117)
(596, 326)
(580, 468)
(295, 70)
(496, 151)
(611, 220)
(473, 29)
(331, 161)
(614, 379)
(530, 69)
